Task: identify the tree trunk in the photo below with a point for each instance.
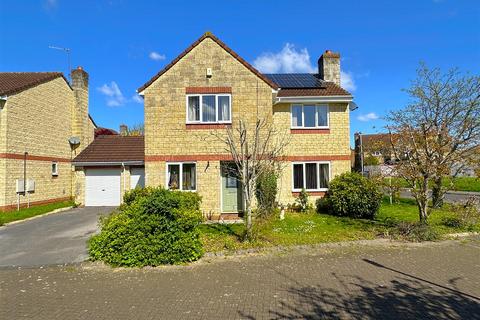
(422, 201)
(437, 193)
(248, 223)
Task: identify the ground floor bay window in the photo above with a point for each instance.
(311, 176)
(182, 176)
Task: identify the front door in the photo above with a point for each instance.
(231, 189)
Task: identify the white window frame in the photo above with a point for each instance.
(201, 108)
(316, 116)
(305, 174)
(180, 178)
(54, 172)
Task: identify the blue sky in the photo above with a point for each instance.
(122, 44)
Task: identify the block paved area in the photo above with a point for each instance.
(419, 281)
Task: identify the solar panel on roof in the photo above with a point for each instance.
(296, 80)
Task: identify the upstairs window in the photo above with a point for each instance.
(209, 108)
(310, 116)
(311, 176)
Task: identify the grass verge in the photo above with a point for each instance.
(456, 184)
(10, 216)
(312, 228)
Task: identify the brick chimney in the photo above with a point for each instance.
(80, 114)
(329, 66)
(123, 129)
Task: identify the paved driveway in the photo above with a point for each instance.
(53, 239)
(413, 281)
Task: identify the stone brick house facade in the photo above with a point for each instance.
(44, 123)
(209, 87)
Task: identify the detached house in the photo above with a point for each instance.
(44, 123)
(208, 88)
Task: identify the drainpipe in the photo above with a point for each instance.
(123, 171)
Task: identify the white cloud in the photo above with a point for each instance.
(50, 4)
(136, 98)
(287, 60)
(368, 117)
(156, 56)
(347, 82)
(291, 60)
(114, 96)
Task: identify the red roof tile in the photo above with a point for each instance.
(329, 89)
(14, 82)
(113, 148)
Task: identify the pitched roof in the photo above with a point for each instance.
(305, 85)
(113, 148)
(221, 44)
(14, 82)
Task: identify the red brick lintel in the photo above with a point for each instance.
(201, 126)
(202, 90)
(31, 157)
(309, 131)
(310, 193)
(226, 157)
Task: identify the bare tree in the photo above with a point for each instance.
(255, 150)
(136, 130)
(437, 131)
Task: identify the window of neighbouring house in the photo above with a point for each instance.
(182, 176)
(209, 108)
(54, 169)
(310, 116)
(311, 176)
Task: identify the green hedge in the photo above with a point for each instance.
(352, 195)
(154, 226)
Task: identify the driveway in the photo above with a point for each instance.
(52, 239)
(411, 281)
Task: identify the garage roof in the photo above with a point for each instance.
(113, 149)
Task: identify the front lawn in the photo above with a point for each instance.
(6, 217)
(311, 228)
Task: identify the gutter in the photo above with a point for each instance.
(314, 99)
(109, 163)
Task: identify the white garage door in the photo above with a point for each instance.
(102, 187)
(137, 178)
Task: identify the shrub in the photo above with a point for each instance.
(134, 194)
(157, 226)
(266, 192)
(464, 215)
(302, 201)
(354, 196)
(322, 205)
(371, 161)
(414, 231)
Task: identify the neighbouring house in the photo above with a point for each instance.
(44, 123)
(207, 89)
(372, 149)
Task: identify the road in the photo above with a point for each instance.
(381, 281)
(450, 197)
(52, 239)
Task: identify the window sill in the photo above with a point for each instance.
(309, 131)
(310, 193)
(200, 126)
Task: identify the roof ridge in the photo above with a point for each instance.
(210, 35)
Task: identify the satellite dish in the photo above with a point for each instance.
(74, 140)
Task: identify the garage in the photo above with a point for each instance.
(102, 187)
(107, 168)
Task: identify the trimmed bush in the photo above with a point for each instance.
(302, 201)
(266, 192)
(154, 227)
(352, 195)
